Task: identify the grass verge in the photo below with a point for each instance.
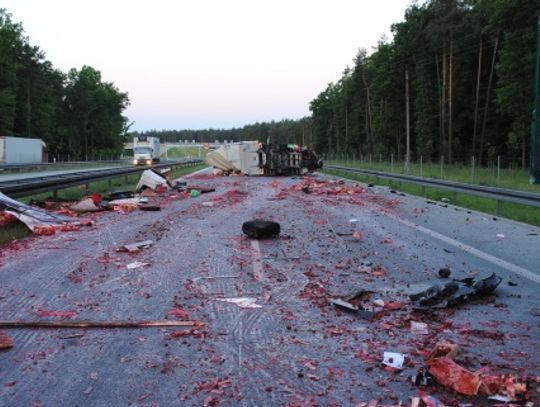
(185, 152)
(516, 179)
(18, 230)
(521, 213)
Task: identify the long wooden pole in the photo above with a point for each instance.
(94, 324)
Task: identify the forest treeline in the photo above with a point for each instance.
(283, 132)
(469, 69)
(77, 114)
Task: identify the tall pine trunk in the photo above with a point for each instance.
(486, 106)
(450, 77)
(478, 76)
(441, 105)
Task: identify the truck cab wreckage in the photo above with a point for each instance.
(255, 158)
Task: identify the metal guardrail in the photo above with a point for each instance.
(60, 164)
(498, 194)
(34, 185)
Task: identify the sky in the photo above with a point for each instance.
(195, 64)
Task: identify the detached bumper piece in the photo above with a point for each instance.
(455, 292)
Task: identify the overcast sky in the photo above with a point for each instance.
(209, 63)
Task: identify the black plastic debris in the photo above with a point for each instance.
(346, 305)
(512, 284)
(261, 229)
(114, 195)
(149, 208)
(455, 292)
(422, 378)
(444, 272)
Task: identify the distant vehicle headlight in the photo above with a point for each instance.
(135, 162)
(148, 162)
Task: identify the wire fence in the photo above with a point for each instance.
(497, 173)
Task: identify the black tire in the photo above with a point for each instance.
(261, 229)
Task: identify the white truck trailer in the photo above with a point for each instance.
(146, 150)
(21, 150)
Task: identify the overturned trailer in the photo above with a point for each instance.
(254, 158)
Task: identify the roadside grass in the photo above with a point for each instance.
(184, 152)
(517, 179)
(18, 230)
(521, 213)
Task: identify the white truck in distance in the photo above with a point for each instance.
(145, 150)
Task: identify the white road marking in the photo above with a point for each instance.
(471, 250)
(257, 263)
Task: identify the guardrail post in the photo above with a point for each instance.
(55, 193)
(423, 190)
(499, 207)
(442, 166)
(498, 169)
(421, 168)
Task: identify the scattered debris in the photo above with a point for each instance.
(448, 373)
(151, 179)
(149, 208)
(455, 292)
(85, 205)
(242, 302)
(512, 284)
(451, 375)
(419, 328)
(194, 193)
(422, 378)
(345, 304)
(37, 220)
(136, 264)
(118, 195)
(5, 341)
(444, 272)
(135, 247)
(261, 229)
(127, 201)
(393, 359)
(500, 236)
(208, 203)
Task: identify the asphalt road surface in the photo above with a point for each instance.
(293, 348)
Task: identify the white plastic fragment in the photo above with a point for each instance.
(242, 302)
(394, 359)
(378, 302)
(500, 236)
(151, 179)
(136, 264)
(501, 398)
(419, 328)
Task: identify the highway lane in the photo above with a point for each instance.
(295, 348)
